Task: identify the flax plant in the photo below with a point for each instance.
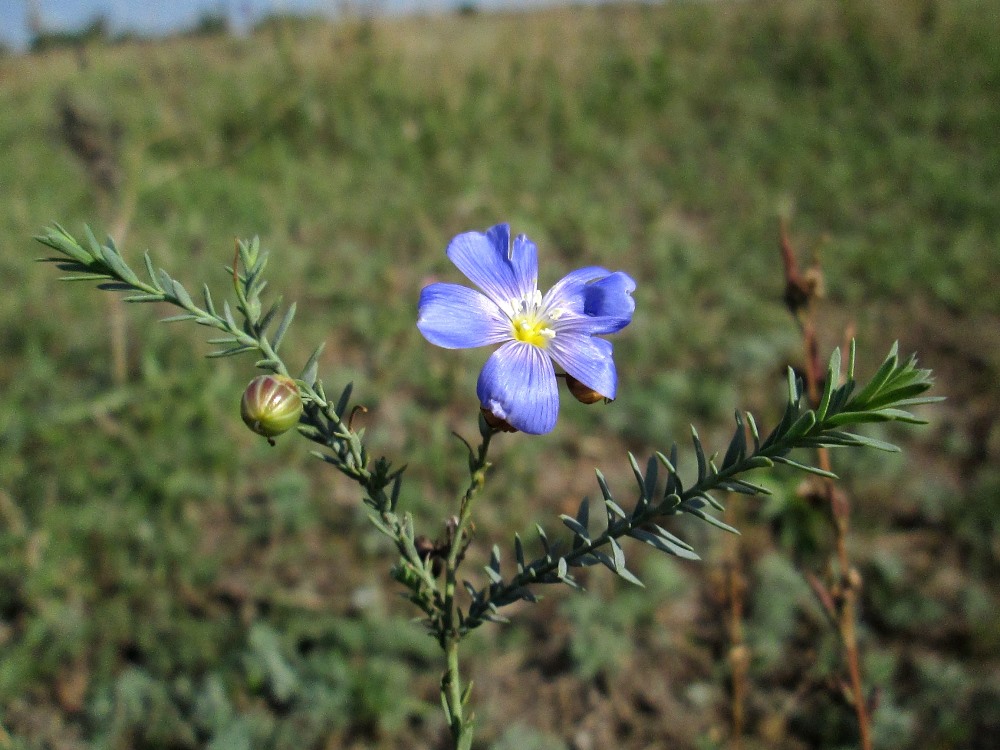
(517, 391)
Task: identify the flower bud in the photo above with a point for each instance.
(582, 393)
(496, 423)
(271, 405)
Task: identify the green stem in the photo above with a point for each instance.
(453, 695)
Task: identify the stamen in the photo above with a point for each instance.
(530, 321)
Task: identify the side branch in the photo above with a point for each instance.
(895, 385)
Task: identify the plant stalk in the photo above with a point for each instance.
(453, 695)
(801, 293)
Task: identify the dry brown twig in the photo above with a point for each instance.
(839, 594)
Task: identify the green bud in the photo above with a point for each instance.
(271, 405)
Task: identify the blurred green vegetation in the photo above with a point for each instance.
(169, 581)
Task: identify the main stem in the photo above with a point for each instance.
(453, 695)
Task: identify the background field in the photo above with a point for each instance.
(167, 580)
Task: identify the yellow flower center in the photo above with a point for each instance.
(530, 322)
(532, 330)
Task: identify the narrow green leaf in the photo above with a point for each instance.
(344, 400)
(117, 262)
(493, 575)
(397, 486)
(165, 282)
(832, 376)
(286, 321)
(804, 467)
(880, 377)
(96, 251)
(178, 318)
(519, 553)
(86, 277)
(183, 297)
(209, 305)
(744, 487)
(676, 541)
(62, 242)
(758, 462)
(711, 501)
(544, 539)
(709, 518)
(870, 442)
(737, 446)
(794, 392)
(664, 544)
(859, 417)
(271, 365)
(311, 368)
(583, 513)
(380, 525)
(802, 425)
(231, 352)
(603, 483)
(791, 413)
(754, 432)
(614, 511)
(893, 394)
(666, 462)
(618, 552)
(699, 453)
(576, 527)
(495, 558)
(628, 575)
(652, 475)
(266, 319)
(151, 271)
(637, 473)
(920, 400)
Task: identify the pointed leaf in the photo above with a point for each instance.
(804, 467)
(664, 544)
(737, 446)
(576, 527)
(286, 321)
(312, 366)
(709, 518)
(699, 453)
(832, 377)
(640, 480)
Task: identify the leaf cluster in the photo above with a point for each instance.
(896, 384)
(247, 327)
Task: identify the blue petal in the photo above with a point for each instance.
(610, 302)
(504, 272)
(587, 359)
(567, 293)
(518, 384)
(524, 257)
(457, 317)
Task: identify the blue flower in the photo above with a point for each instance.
(518, 382)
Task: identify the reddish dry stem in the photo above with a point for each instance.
(799, 296)
(739, 655)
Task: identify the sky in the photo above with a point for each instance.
(165, 16)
